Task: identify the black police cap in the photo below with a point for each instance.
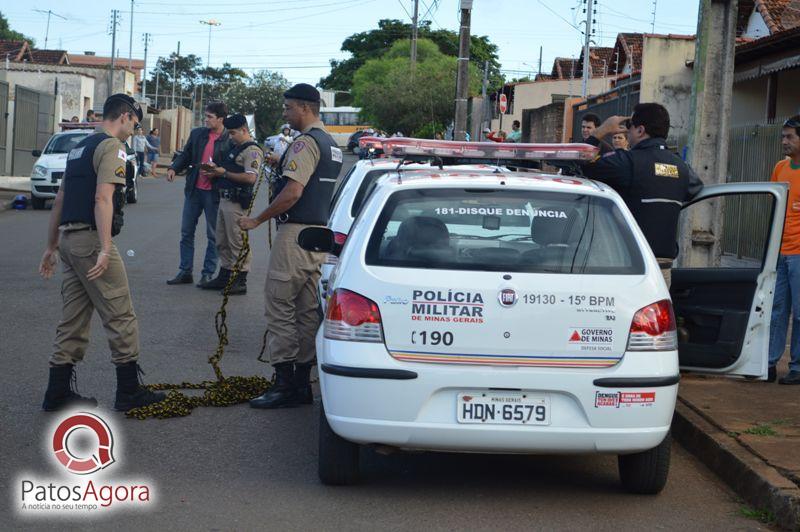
(124, 98)
(302, 91)
(234, 122)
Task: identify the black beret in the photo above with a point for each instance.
(124, 98)
(302, 91)
(234, 122)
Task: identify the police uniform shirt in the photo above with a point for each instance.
(109, 161)
(302, 157)
(250, 159)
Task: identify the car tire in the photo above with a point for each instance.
(646, 472)
(38, 203)
(338, 458)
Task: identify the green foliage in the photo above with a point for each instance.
(261, 95)
(375, 43)
(763, 516)
(190, 74)
(7, 34)
(393, 99)
(764, 429)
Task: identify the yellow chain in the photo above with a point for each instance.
(225, 391)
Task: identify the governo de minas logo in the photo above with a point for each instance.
(82, 447)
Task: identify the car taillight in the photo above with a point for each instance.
(340, 239)
(352, 317)
(653, 328)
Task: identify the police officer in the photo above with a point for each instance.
(653, 181)
(235, 180)
(86, 214)
(308, 171)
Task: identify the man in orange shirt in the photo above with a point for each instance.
(787, 285)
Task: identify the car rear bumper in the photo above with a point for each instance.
(371, 398)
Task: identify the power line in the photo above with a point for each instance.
(47, 32)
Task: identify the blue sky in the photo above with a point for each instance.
(298, 37)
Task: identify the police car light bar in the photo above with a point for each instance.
(366, 143)
(401, 147)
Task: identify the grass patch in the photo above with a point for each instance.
(763, 516)
(764, 429)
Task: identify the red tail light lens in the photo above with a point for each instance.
(653, 328)
(339, 238)
(353, 317)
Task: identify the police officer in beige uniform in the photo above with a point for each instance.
(86, 214)
(235, 179)
(308, 172)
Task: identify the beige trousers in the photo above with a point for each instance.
(229, 236)
(292, 298)
(109, 295)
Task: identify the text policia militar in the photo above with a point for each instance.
(447, 306)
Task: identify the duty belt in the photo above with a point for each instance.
(230, 193)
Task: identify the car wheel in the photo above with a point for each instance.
(646, 472)
(338, 458)
(38, 203)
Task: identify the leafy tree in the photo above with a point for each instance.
(374, 43)
(7, 34)
(393, 99)
(261, 95)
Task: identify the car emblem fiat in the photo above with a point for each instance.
(507, 297)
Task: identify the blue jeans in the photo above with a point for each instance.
(787, 300)
(194, 204)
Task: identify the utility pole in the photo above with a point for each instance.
(210, 23)
(587, 62)
(540, 59)
(653, 24)
(414, 33)
(146, 39)
(462, 80)
(130, 44)
(174, 72)
(484, 99)
(114, 24)
(47, 32)
(158, 76)
(712, 93)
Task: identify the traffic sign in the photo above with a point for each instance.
(503, 103)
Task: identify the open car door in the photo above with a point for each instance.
(724, 311)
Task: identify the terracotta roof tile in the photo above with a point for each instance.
(778, 15)
(52, 57)
(16, 50)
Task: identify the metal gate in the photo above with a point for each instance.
(34, 115)
(3, 125)
(619, 101)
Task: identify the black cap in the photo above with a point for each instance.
(302, 91)
(234, 121)
(121, 97)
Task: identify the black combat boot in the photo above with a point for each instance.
(239, 285)
(61, 393)
(218, 282)
(302, 384)
(181, 278)
(130, 392)
(281, 393)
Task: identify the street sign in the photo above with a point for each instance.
(503, 103)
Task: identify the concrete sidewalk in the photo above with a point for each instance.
(748, 433)
(15, 183)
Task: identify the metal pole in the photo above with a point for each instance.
(174, 72)
(587, 61)
(462, 80)
(414, 33)
(130, 43)
(144, 74)
(158, 76)
(47, 32)
(540, 59)
(484, 88)
(210, 24)
(114, 22)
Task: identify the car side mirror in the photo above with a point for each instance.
(318, 239)
(36, 153)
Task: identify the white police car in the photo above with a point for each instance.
(509, 314)
(49, 169)
(355, 187)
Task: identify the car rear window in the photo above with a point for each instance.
(366, 186)
(504, 230)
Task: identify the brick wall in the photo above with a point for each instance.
(543, 124)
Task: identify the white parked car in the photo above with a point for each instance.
(510, 313)
(52, 162)
(49, 168)
(356, 186)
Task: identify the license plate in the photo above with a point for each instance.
(503, 408)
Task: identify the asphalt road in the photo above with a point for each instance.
(244, 469)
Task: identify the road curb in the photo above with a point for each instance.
(758, 483)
